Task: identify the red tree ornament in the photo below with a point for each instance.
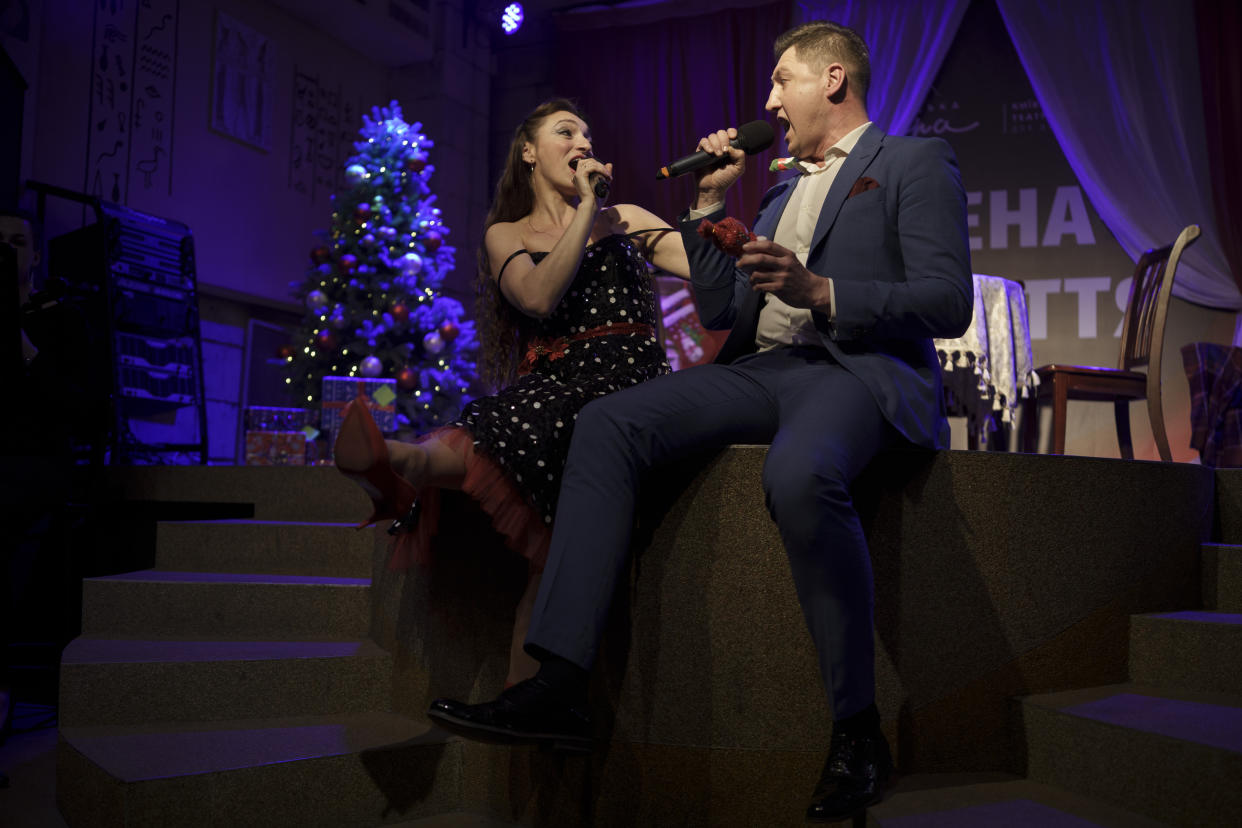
(407, 379)
(285, 351)
(320, 255)
(362, 212)
(431, 241)
(326, 339)
(415, 164)
(449, 331)
(400, 312)
(348, 262)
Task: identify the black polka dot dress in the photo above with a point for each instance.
(572, 357)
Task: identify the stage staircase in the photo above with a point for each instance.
(1164, 748)
(236, 682)
(1168, 743)
(262, 674)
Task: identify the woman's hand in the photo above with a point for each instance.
(582, 179)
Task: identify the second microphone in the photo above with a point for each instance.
(753, 137)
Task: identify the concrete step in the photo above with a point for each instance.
(206, 605)
(315, 493)
(1227, 508)
(669, 786)
(1171, 755)
(650, 785)
(1222, 577)
(979, 599)
(457, 819)
(271, 547)
(992, 800)
(1194, 650)
(345, 770)
(128, 681)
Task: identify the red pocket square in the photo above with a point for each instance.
(862, 185)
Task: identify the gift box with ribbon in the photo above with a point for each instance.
(275, 448)
(379, 394)
(260, 418)
(271, 418)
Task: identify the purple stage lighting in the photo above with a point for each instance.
(511, 18)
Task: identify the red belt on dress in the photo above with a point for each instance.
(554, 347)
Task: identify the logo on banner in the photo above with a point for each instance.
(1023, 117)
(942, 119)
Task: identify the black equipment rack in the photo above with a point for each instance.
(140, 269)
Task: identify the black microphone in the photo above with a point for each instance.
(751, 138)
(599, 184)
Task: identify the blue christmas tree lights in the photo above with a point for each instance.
(372, 292)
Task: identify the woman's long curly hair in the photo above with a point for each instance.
(498, 323)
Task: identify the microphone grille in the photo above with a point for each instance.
(755, 136)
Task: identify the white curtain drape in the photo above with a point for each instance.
(1119, 83)
(908, 42)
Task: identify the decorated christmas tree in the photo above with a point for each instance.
(373, 306)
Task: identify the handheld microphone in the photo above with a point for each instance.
(599, 184)
(753, 137)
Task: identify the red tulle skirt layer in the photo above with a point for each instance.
(486, 482)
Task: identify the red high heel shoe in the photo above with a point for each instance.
(361, 455)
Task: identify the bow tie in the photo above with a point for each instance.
(797, 165)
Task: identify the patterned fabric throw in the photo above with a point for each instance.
(1215, 375)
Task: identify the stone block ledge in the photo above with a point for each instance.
(996, 576)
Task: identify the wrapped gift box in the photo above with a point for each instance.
(268, 418)
(271, 418)
(275, 448)
(380, 395)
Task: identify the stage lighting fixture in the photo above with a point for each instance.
(511, 18)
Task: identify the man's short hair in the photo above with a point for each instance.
(823, 42)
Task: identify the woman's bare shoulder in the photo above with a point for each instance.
(503, 238)
(503, 231)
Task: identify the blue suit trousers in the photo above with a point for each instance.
(824, 427)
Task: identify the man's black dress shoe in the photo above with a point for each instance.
(854, 777)
(529, 712)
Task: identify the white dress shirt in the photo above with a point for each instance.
(779, 324)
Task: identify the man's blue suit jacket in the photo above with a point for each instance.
(899, 258)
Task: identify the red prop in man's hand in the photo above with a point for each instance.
(728, 235)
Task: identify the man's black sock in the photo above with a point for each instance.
(566, 678)
(865, 722)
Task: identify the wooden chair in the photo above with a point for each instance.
(1142, 340)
